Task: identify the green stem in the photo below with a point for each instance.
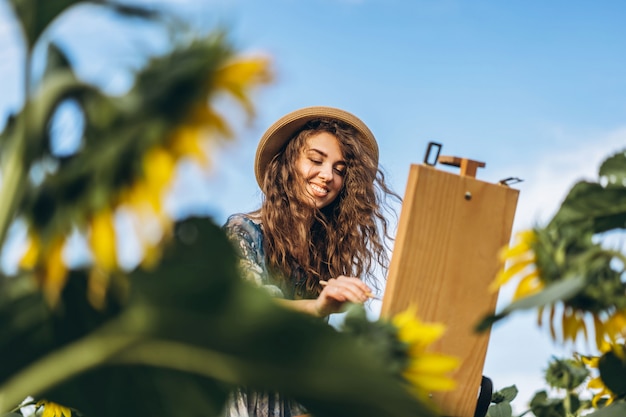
(13, 170)
(13, 177)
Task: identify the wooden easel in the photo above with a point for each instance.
(450, 230)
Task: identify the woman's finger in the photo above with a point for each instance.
(344, 291)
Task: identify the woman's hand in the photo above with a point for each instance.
(337, 292)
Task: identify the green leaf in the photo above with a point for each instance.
(502, 409)
(31, 329)
(509, 393)
(192, 329)
(56, 59)
(560, 290)
(617, 409)
(36, 15)
(593, 207)
(614, 170)
(613, 373)
(543, 406)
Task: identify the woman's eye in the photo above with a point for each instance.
(340, 171)
(315, 161)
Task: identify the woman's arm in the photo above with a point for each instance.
(336, 293)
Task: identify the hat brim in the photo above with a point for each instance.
(285, 128)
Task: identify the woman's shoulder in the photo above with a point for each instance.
(244, 221)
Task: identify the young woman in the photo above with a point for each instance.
(320, 231)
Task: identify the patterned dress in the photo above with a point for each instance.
(248, 239)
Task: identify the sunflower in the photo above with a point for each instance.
(605, 389)
(146, 183)
(426, 371)
(51, 409)
(522, 264)
(538, 258)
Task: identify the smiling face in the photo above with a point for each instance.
(322, 166)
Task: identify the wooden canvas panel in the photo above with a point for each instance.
(450, 231)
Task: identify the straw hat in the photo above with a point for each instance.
(285, 128)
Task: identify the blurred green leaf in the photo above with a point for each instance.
(192, 328)
(590, 206)
(614, 410)
(508, 393)
(543, 406)
(56, 59)
(614, 170)
(31, 329)
(552, 293)
(502, 409)
(36, 15)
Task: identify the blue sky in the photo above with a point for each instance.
(535, 89)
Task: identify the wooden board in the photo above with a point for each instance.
(450, 231)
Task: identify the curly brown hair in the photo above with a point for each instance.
(304, 244)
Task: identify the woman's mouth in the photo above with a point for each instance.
(318, 191)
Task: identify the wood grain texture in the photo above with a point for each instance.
(450, 231)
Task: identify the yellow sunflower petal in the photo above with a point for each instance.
(239, 75)
(507, 274)
(30, 257)
(428, 382)
(425, 370)
(581, 326)
(596, 398)
(569, 325)
(412, 331)
(204, 117)
(596, 383)
(591, 361)
(552, 329)
(434, 363)
(51, 409)
(158, 167)
(615, 325)
(102, 239)
(186, 143)
(55, 272)
(523, 247)
(529, 285)
(599, 331)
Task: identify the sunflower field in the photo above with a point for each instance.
(172, 335)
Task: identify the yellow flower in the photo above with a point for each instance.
(596, 385)
(158, 168)
(185, 142)
(46, 260)
(426, 371)
(55, 272)
(615, 326)
(238, 75)
(603, 392)
(102, 239)
(528, 285)
(51, 409)
(31, 256)
(522, 262)
(572, 324)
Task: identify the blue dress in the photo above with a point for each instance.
(247, 236)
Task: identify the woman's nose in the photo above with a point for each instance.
(325, 173)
